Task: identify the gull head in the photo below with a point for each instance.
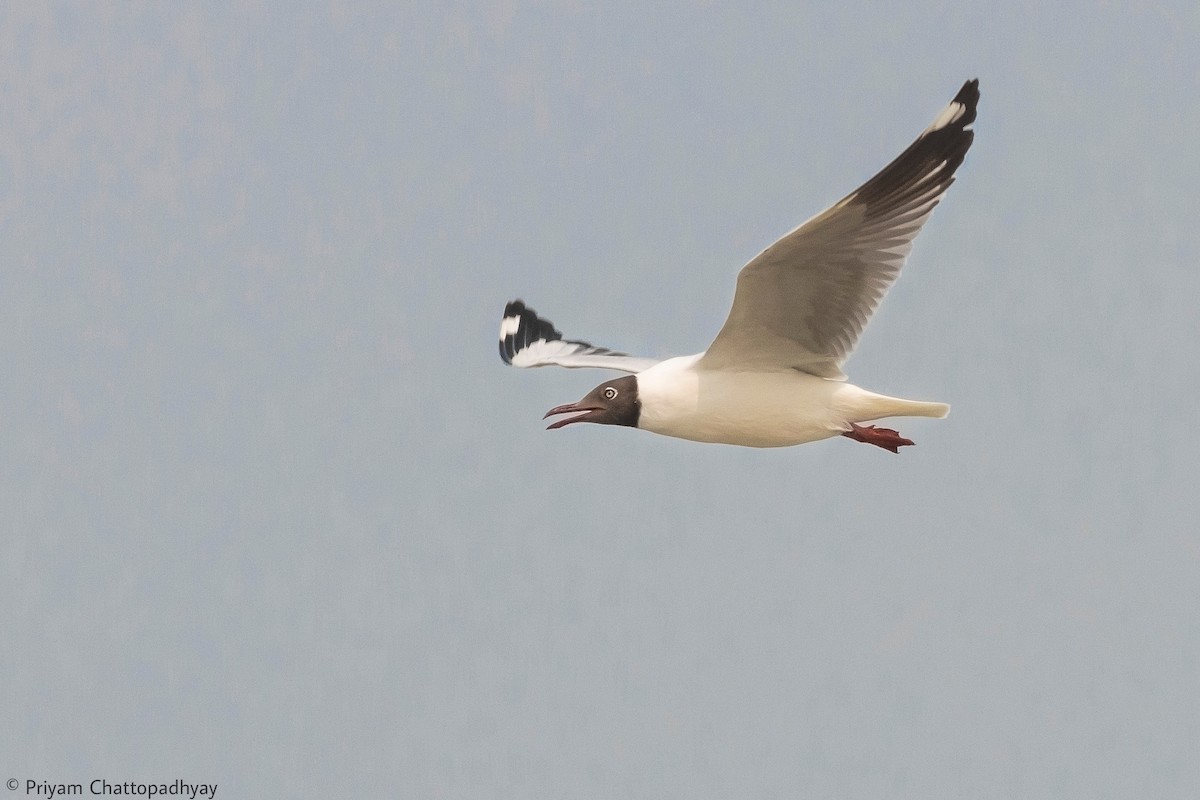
(611, 403)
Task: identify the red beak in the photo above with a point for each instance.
(570, 408)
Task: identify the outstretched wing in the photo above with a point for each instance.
(803, 302)
(527, 340)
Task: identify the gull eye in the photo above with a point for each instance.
(610, 393)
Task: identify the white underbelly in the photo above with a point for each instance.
(773, 409)
(757, 409)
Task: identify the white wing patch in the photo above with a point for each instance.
(950, 114)
(509, 327)
(575, 355)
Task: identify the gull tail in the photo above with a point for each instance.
(870, 406)
(935, 410)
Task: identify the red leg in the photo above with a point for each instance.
(886, 438)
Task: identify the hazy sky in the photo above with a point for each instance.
(277, 518)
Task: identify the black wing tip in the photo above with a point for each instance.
(956, 118)
(515, 308)
(955, 137)
(968, 97)
(520, 327)
(929, 162)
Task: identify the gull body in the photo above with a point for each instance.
(773, 375)
(757, 408)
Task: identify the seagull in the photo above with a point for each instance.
(773, 376)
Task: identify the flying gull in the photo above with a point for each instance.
(773, 376)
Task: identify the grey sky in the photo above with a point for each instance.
(276, 516)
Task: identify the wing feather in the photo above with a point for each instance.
(804, 301)
(527, 340)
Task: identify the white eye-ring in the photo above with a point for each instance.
(610, 393)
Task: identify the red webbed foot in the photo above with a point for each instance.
(886, 438)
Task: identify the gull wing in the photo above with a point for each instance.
(527, 340)
(803, 302)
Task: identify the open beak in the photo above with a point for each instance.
(571, 408)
